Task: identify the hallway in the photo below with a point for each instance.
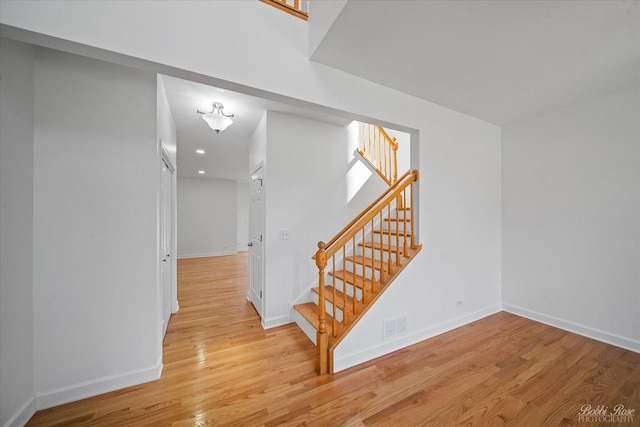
(220, 366)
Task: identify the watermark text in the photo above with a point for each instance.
(602, 414)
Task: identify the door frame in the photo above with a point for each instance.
(173, 264)
(261, 311)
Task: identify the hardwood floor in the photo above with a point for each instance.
(222, 368)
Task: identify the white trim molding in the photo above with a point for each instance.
(22, 416)
(345, 361)
(96, 387)
(207, 254)
(576, 328)
(276, 321)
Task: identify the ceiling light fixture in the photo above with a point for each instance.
(200, 151)
(216, 119)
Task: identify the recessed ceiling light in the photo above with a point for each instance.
(200, 151)
(201, 172)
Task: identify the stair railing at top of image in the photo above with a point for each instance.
(380, 151)
(299, 8)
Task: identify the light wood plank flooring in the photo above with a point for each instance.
(222, 368)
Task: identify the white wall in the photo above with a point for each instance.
(207, 216)
(571, 218)
(17, 392)
(258, 144)
(323, 14)
(314, 187)
(96, 195)
(242, 234)
(166, 126)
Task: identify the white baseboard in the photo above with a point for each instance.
(275, 321)
(23, 414)
(345, 361)
(207, 254)
(576, 328)
(96, 387)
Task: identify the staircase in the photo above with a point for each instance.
(360, 262)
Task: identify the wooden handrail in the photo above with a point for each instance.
(291, 7)
(393, 241)
(370, 212)
(380, 151)
(387, 137)
(361, 214)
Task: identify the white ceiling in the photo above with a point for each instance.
(500, 61)
(226, 153)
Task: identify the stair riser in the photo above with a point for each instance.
(339, 312)
(376, 252)
(329, 310)
(399, 228)
(341, 286)
(361, 270)
(397, 225)
(308, 329)
(395, 240)
(379, 255)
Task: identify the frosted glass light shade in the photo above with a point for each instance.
(217, 121)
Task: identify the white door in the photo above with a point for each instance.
(165, 242)
(256, 236)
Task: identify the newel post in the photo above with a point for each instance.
(322, 343)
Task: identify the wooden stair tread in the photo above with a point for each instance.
(376, 245)
(309, 311)
(340, 297)
(367, 261)
(393, 232)
(348, 276)
(394, 219)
